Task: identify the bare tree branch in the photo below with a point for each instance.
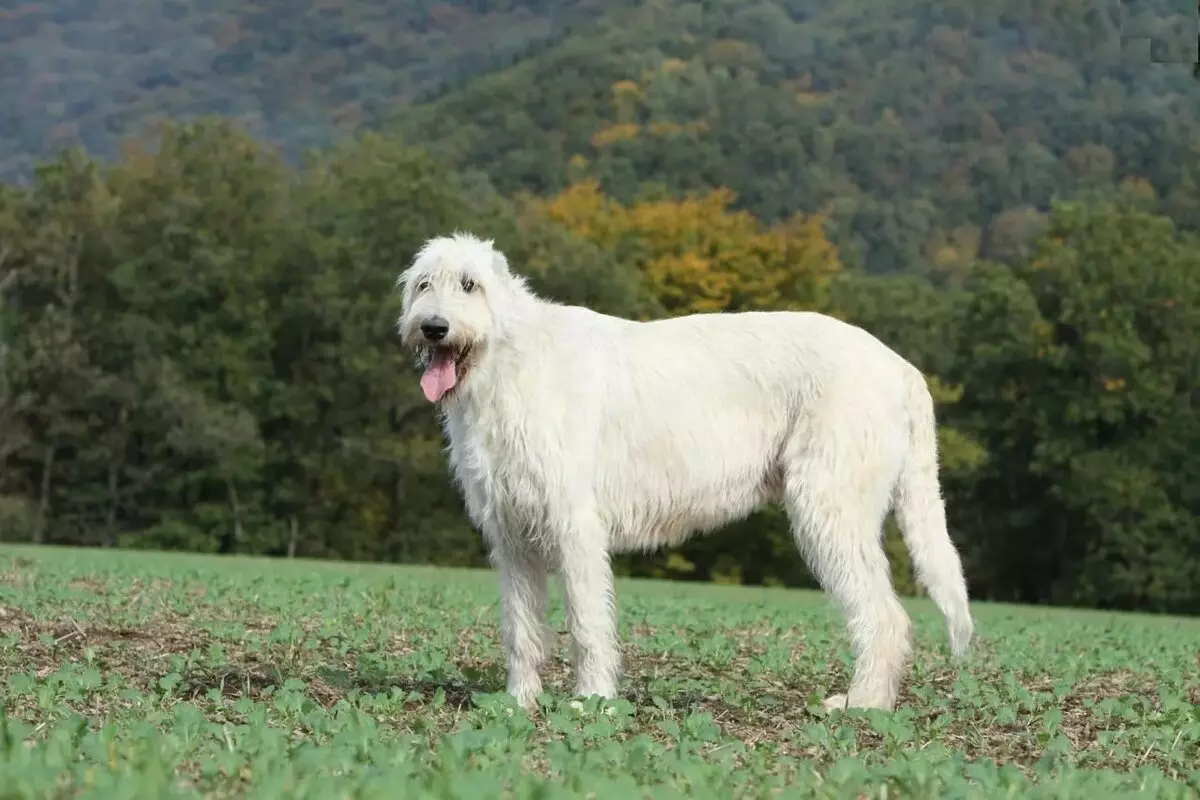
(8, 278)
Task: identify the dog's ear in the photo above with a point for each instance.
(499, 263)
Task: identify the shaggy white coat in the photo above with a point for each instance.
(575, 435)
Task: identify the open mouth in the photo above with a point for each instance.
(444, 370)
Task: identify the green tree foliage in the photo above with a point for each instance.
(199, 354)
(203, 357)
(1081, 369)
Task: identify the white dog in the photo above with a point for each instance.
(575, 435)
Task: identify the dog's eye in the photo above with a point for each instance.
(422, 286)
(468, 285)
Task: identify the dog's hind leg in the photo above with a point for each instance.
(837, 495)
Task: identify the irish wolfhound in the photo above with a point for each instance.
(575, 435)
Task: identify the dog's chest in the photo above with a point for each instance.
(502, 468)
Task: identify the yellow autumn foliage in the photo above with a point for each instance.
(664, 128)
(626, 87)
(696, 254)
(621, 131)
(810, 98)
(614, 133)
(1113, 384)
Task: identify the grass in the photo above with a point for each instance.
(150, 675)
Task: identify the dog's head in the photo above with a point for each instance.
(451, 295)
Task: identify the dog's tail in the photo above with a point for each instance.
(922, 517)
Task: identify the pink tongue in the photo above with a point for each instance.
(439, 377)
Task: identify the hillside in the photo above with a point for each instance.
(299, 73)
(916, 123)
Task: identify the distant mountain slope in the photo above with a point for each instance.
(930, 130)
(298, 72)
(916, 122)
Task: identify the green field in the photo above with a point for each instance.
(149, 675)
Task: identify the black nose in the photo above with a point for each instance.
(435, 329)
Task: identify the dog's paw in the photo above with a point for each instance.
(526, 695)
(836, 702)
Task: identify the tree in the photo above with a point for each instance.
(1081, 369)
(12, 404)
(203, 355)
(197, 352)
(697, 255)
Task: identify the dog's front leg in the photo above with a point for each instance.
(523, 629)
(590, 603)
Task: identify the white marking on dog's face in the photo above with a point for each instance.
(447, 297)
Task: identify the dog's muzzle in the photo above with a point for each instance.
(435, 329)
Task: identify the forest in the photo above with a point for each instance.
(206, 207)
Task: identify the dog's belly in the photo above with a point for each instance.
(667, 477)
(642, 518)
